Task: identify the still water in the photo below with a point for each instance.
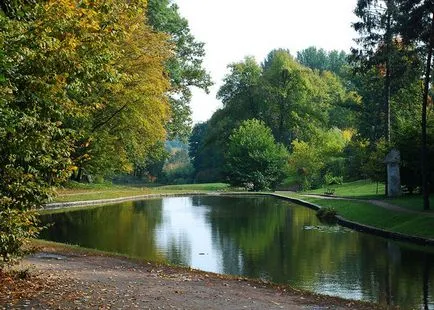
(260, 237)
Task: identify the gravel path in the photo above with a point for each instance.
(62, 279)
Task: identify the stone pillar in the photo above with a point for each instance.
(393, 177)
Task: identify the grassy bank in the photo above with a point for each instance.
(366, 189)
(369, 214)
(364, 212)
(362, 189)
(83, 192)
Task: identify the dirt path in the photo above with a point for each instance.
(67, 280)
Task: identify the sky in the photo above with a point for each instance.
(234, 29)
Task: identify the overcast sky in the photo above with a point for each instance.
(233, 29)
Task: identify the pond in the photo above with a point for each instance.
(260, 237)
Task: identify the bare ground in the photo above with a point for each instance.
(61, 278)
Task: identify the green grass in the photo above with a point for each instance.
(366, 189)
(357, 189)
(201, 187)
(412, 202)
(83, 192)
(368, 214)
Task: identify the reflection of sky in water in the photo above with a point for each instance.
(257, 237)
(184, 228)
(331, 284)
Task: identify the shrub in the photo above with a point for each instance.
(16, 227)
(254, 157)
(327, 215)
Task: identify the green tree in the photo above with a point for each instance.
(195, 143)
(319, 59)
(292, 100)
(253, 158)
(312, 159)
(376, 29)
(81, 84)
(240, 92)
(185, 67)
(416, 25)
(241, 101)
(131, 107)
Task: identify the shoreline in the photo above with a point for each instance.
(71, 277)
(59, 206)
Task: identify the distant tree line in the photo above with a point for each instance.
(337, 115)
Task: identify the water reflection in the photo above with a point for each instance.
(259, 237)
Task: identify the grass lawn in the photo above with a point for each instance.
(357, 189)
(412, 202)
(369, 214)
(82, 192)
(366, 189)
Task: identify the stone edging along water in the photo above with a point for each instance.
(64, 205)
(340, 220)
(362, 227)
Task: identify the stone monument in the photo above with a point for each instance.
(393, 177)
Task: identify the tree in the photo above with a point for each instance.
(321, 60)
(253, 158)
(293, 103)
(416, 25)
(240, 93)
(131, 107)
(376, 29)
(322, 154)
(195, 143)
(81, 84)
(185, 67)
(292, 100)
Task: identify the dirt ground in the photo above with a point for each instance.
(66, 279)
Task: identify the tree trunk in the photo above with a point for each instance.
(388, 74)
(387, 84)
(425, 185)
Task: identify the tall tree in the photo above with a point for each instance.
(320, 59)
(376, 29)
(239, 93)
(289, 98)
(416, 25)
(77, 79)
(185, 67)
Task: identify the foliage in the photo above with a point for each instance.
(292, 100)
(311, 160)
(327, 214)
(16, 228)
(416, 26)
(319, 59)
(305, 162)
(356, 155)
(396, 37)
(81, 88)
(185, 67)
(195, 143)
(409, 143)
(253, 158)
(330, 179)
(375, 169)
(177, 168)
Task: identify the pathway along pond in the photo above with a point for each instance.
(259, 237)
